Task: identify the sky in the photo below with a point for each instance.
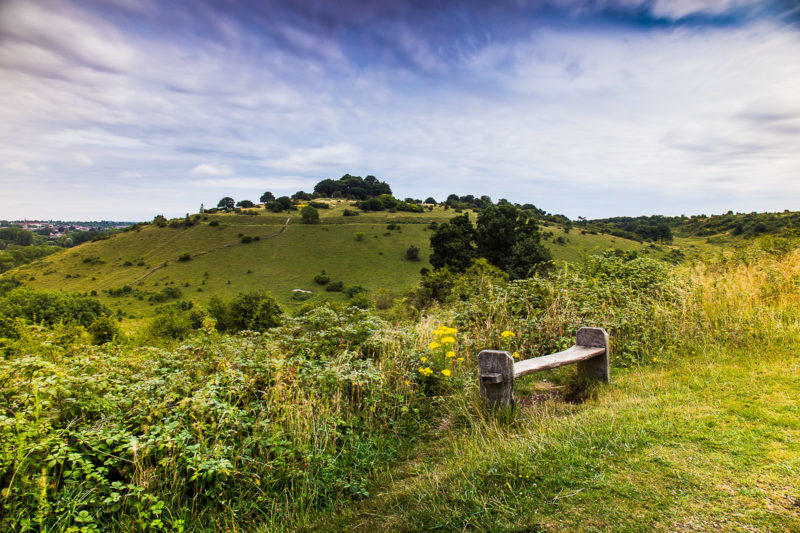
(124, 109)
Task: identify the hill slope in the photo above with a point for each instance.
(357, 250)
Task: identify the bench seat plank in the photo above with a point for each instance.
(546, 362)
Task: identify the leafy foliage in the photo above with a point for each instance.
(48, 308)
(309, 215)
(352, 187)
(254, 311)
(504, 235)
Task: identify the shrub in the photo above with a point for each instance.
(336, 286)
(170, 322)
(412, 254)
(185, 256)
(104, 329)
(120, 291)
(248, 311)
(309, 215)
(48, 308)
(360, 236)
(246, 239)
(214, 223)
(361, 301)
(322, 278)
(350, 213)
(301, 296)
(355, 289)
(165, 294)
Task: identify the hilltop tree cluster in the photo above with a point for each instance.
(352, 187)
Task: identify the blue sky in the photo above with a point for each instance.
(123, 109)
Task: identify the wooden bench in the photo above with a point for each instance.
(497, 369)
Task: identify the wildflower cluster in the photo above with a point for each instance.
(441, 359)
(507, 338)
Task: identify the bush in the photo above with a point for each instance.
(170, 322)
(48, 308)
(355, 289)
(214, 223)
(360, 236)
(309, 215)
(248, 311)
(165, 294)
(185, 256)
(412, 254)
(336, 286)
(322, 278)
(246, 239)
(350, 213)
(104, 329)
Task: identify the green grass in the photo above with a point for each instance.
(223, 266)
(706, 441)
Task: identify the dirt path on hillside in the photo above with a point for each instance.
(197, 253)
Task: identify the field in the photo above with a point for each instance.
(221, 265)
(344, 419)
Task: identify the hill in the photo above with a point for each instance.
(135, 270)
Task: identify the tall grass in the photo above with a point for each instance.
(219, 432)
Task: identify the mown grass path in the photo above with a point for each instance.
(702, 440)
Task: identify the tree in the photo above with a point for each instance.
(510, 239)
(302, 195)
(430, 200)
(309, 215)
(453, 244)
(245, 203)
(227, 203)
(285, 202)
(266, 197)
(504, 235)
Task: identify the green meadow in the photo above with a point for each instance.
(356, 250)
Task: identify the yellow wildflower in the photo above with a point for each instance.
(434, 345)
(425, 371)
(506, 334)
(460, 359)
(516, 355)
(450, 354)
(407, 383)
(446, 372)
(448, 340)
(423, 359)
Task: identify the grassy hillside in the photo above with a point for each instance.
(147, 258)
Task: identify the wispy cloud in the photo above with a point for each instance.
(653, 106)
(208, 169)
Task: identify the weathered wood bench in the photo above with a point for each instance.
(497, 369)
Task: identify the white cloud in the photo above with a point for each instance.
(209, 169)
(322, 158)
(284, 183)
(18, 166)
(84, 160)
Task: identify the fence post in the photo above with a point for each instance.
(596, 367)
(496, 376)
